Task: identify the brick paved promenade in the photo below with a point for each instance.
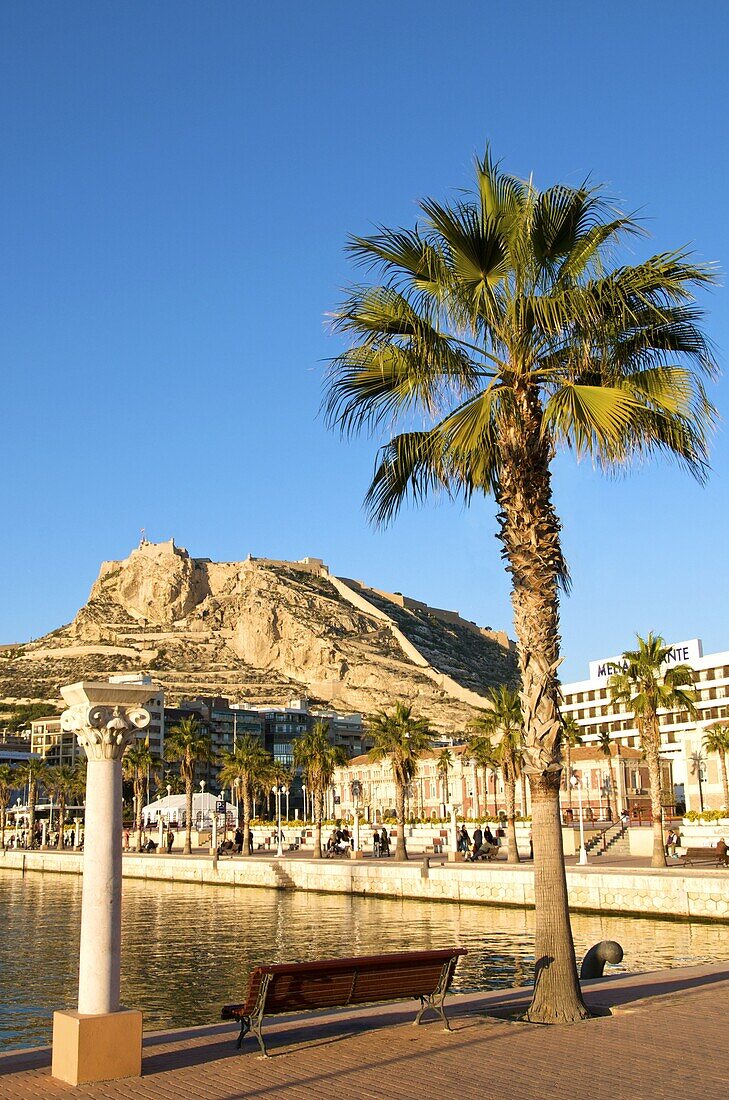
(667, 1038)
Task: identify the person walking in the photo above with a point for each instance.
(477, 841)
(376, 844)
(170, 838)
(464, 840)
(238, 841)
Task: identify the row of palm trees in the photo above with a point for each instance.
(63, 783)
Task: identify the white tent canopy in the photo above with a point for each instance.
(172, 808)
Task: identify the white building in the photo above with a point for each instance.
(696, 774)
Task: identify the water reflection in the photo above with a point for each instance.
(188, 949)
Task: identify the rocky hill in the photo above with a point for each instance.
(260, 631)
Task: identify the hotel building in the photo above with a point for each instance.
(695, 774)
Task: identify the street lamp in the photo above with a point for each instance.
(576, 783)
(276, 790)
(306, 811)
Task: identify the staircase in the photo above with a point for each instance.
(614, 840)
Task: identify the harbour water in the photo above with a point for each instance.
(188, 948)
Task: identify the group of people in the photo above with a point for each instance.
(150, 845)
(483, 846)
(236, 844)
(380, 843)
(339, 842)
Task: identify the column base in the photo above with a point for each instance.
(456, 857)
(356, 855)
(96, 1048)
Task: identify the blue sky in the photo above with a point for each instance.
(178, 181)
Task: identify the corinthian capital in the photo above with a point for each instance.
(105, 731)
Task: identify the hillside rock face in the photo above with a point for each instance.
(261, 631)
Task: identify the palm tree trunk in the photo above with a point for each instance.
(138, 790)
(319, 801)
(530, 537)
(2, 827)
(187, 848)
(476, 795)
(724, 782)
(400, 849)
(61, 817)
(246, 818)
(523, 781)
(32, 795)
(652, 744)
(512, 851)
(494, 776)
(568, 785)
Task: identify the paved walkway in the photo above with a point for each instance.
(666, 1038)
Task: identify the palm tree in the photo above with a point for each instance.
(503, 726)
(605, 745)
(497, 332)
(443, 766)
(480, 749)
(570, 739)
(62, 783)
(247, 768)
(645, 686)
(31, 774)
(318, 759)
(137, 763)
(7, 784)
(191, 745)
(400, 738)
(716, 739)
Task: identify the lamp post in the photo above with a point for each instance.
(276, 790)
(101, 1041)
(575, 782)
(306, 812)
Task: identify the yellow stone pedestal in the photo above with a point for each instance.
(456, 857)
(96, 1048)
(356, 855)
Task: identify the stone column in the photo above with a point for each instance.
(101, 1041)
(356, 851)
(77, 834)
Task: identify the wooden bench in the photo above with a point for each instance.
(338, 983)
(692, 856)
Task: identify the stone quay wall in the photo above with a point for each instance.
(673, 894)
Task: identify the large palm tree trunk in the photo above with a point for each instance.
(530, 538)
(476, 795)
(652, 744)
(512, 851)
(187, 849)
(400, 849)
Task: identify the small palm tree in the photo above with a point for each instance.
(31, 774)
(318, 759)
(646, 686)
(62, 783)
(503, 726)
(495, 332)
(444, 764)
(400, 738)
(137, 763)
(605, 746)
(716, 739)
(570, 739)
(191, 745)
(7, 784)
(480, 749)
(247, 768)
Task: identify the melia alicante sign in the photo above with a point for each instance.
(681, 653)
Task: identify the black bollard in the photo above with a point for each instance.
(606, 951)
